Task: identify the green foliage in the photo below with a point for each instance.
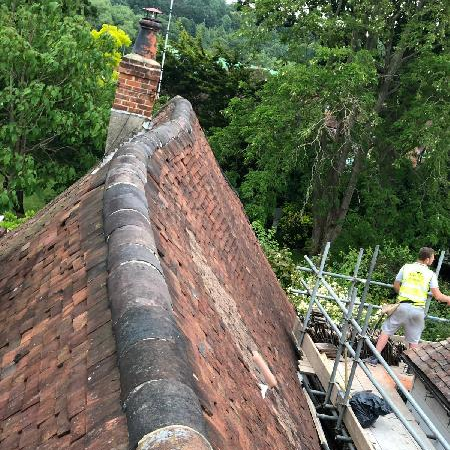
(26, 179)
(354, 124)
(301, 302)
(160, 102)
(285, 121)
(280, 258)
(256, 51)
(391, 258)
(208, 79)
(11, 221)
(56, 89)
(402, 203)
(38, 199)
(437, 331)
(209, 12)
(294, 227)
(120, 38)
(120, 15)
(229, 144)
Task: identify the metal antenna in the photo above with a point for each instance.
(166, 40)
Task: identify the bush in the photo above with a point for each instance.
(390, 259)
(11, 221)
(280, 258)
(438, 331)
(294, 228)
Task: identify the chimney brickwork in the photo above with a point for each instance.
(137, 85)
(138, 82)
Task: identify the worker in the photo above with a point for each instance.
(412, 285)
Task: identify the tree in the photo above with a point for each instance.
(355, 95)
(56, 89)
(208, 12)
(208, 79)
(119, 15)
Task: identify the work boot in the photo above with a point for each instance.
(372, 361)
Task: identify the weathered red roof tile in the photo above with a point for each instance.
(432, 361)
(190, 296)
(53, 339)
(226, 299)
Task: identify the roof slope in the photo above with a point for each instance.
(432, 361)
(59, 384)
(190, 295)
(226, 299)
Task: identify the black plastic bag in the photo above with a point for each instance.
(368, 407)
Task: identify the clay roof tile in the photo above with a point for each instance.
(433, 360)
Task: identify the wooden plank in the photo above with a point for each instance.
(318, 425)
(323, 372)
(319, 362)
(296, 332)
(304, 366)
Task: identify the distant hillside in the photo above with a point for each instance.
(209, 12)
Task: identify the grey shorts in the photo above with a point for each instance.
(411, 317)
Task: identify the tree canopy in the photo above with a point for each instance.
(120, 15)
(354, 126)
(209, 12)
(56, 89)
(209, 79)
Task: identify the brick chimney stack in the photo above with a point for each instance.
(137, 85)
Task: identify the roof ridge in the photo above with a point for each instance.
(153, 366)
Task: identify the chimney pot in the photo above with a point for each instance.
(145, 44)
(153, 12)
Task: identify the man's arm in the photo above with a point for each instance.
(398, 280)
(439, 296)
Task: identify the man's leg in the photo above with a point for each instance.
(414, 326)
(389, 327)
(382, 341)
(413, 332)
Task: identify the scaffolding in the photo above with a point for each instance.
(356, 325)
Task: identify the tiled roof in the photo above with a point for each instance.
(433, 361)
(59, 386)
(226, 300)
(189, 297)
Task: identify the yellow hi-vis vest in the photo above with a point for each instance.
(415, 284)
